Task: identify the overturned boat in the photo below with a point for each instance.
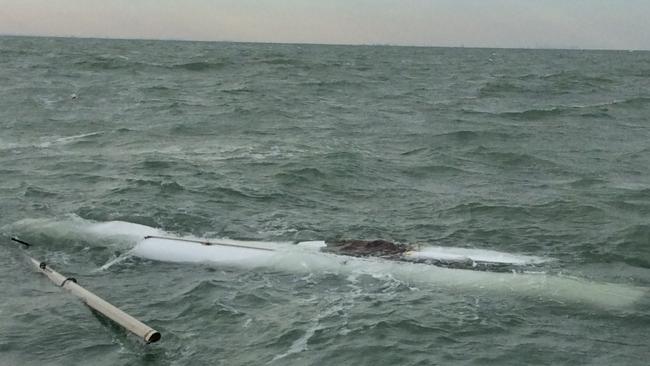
(454, 268)
(228, 251)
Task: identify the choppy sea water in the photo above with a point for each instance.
(531, 152)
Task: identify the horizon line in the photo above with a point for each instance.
(18, 35)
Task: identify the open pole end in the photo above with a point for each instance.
(152, 337)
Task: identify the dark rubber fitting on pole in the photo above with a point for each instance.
(68, 279)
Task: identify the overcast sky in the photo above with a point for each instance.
(617, 24)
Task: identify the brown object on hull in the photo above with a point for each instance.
(366, 248)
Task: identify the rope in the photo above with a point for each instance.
(208, 243)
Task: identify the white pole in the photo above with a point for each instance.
(130, 323)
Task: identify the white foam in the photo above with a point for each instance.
(119, 259)
(8, 145)
(300, 344)
(68, 139)
(46, 142)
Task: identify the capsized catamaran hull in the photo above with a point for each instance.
(307, 257)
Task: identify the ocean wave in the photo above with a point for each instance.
(159, 90)
(280, 61)
(75, 138)
(227, 194)
(5, 145)
(107, 63)
(301, 175)
(236, 90)
(9, 52)
(201, 66)
(556, 209)
(152, 186)
(635, 102)
(533, 114)
(632, 200)
(491, 210)
(428, 171)
(34, 192)
(588, 182)
(559, 83)
(634, 239)
(574, 77)
(171, 187)
(111, 62)
(514, 159)
(156, 164)
(416, 151)
(52, 141)
(334, 83)
(478, 135)
(596, 110)
(499, 87)
(125, 130)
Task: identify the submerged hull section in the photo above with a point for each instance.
(306, 257)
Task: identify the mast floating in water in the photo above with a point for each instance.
(133, 325)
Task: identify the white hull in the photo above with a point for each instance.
(306, 258)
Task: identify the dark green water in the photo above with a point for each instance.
(538, 152)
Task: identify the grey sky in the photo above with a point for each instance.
(613, 24)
